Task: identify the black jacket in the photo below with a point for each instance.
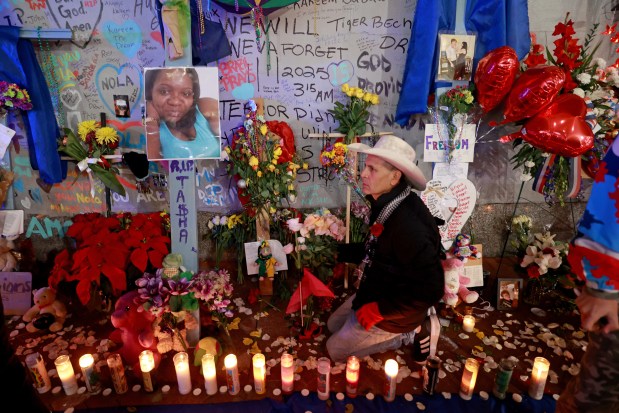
(405, 277)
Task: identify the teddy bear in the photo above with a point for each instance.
(456, 282)
(8, 262)
(462, 248)
(46, 313)
(134, 329)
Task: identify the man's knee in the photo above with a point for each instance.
(336, 352)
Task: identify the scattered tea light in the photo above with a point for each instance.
(369, 396)
(408, 397)
(339, 396)
(197, 391)
(108, 391)
(483, 395)
(136, 388)
(305, 392)
(517, 398)
(223, 389)
(277, 392)
(247, 388)
(555, 396)
(165, 388)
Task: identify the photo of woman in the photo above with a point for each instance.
(182, 117)
(456, 57)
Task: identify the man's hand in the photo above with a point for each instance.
(594, 309)
(368, 315)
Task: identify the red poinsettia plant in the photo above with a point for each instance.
(105, 247)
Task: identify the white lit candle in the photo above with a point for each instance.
(324, 374)
(210, 373)
(147, 364)
(259, 373)
(91, 377)
(468, 323)
(287, 363)
(539, 374)
(183, 376)
(352, 376)
(391, 373)
(66, 374)
(232, 374)
(469, 377)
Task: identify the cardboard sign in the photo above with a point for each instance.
(277, 250)
(16, 291)
(452, 202)
(474, 269)
(435, 144)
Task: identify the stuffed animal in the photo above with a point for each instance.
(8, 262)
(46, 313)
(456, 282)
(134, 330)
(462, 248)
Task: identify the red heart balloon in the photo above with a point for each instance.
(566, 103)
(533, 90)
(561, 134)
(495, 75)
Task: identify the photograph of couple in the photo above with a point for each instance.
(456, 58)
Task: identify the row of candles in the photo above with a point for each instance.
(66, 374)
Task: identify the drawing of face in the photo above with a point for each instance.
(173, 95)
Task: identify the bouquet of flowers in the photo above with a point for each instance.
(264, 176)
(521, 226)
(104, 248)
(589, 78)
(316, 238)
(13, 97)
(353, 116)
(456, 109)
(359, 221)
(89, 149)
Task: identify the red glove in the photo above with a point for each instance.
(368, 315)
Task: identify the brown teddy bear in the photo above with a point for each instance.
(46, 313)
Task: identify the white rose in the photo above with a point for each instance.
(579, 92)
(529, 164)
(584, 78)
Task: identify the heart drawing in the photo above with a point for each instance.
(340, 73)
(124, 80)
(453, 203)
(78, 16)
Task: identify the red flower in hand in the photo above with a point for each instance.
(377, 229)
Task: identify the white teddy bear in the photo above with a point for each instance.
(456, 282)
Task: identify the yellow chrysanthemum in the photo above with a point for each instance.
(359, 93)
(271, 167)
(367, 97)
(345, 88)
(85, 127)
(106, 136)
(227, 149)
(264, 129)
(259, 173)
(374, 100)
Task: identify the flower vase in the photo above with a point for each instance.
(536, 293)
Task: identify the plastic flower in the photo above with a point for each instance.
(87, 127)
(13, 97)
(107, 136)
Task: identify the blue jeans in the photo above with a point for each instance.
(350, 338)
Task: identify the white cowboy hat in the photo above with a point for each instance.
(398, 153)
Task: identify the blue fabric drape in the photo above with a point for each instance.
(496, 23)
(20, 66)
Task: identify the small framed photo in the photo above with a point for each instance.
(508, 292)
(456, 56)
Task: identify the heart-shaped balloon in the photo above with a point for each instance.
(561, 134)
(532, 91)
(566, 103)
(495, 75)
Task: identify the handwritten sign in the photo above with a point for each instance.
(454, 203)
(435, 144)
(16, 291)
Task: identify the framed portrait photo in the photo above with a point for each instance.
(456, 56)
(182, 113)
(508, 293)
